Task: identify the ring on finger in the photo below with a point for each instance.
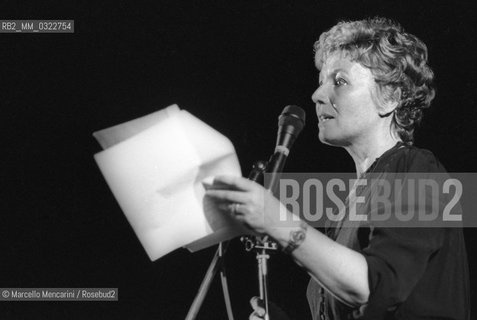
(234, 207)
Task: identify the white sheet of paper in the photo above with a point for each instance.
(154, 166)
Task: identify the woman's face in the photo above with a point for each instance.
(346, 103)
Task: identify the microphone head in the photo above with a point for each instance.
(290, 124)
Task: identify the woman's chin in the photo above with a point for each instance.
(330, 140)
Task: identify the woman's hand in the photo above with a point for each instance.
(258, 309)
(275, 312)
(248, 201)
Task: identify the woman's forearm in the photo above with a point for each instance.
(342, 271)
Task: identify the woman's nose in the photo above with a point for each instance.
(318, 96)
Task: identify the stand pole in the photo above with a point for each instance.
(262, 246)
(262, 258)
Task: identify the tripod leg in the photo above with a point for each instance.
(206, 282)
(225, 289)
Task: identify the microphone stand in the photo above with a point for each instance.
(290, 123)
(218, 263)
(264, 244)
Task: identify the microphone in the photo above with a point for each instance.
(290, 124)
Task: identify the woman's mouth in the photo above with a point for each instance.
(325, 117)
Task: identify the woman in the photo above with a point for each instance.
(373, 86)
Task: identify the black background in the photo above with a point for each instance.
(235, 65)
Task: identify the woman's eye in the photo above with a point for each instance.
(340, 81)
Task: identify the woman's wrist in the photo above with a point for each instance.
(295, 238)
(289, 231)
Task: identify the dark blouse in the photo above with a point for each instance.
(414, 273)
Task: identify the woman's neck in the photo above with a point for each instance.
(364, 153)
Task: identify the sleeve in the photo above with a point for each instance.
(397, 257)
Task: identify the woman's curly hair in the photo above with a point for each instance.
(397, 60)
